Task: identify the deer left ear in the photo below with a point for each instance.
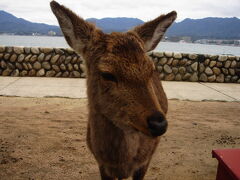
(152, 32)
(78, 33)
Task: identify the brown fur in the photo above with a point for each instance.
(118, 134)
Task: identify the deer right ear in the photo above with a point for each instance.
(77, 32)
(152, 32)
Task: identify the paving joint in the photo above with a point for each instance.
(10, 84)
(220, 92)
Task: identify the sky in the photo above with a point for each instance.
(39, 10)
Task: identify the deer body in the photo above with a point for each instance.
(127, 104)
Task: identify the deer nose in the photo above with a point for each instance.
(157, 124)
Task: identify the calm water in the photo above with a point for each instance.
(46, 41)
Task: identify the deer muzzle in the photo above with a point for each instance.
(157, 124)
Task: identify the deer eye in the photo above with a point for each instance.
(108, 76)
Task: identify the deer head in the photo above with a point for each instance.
(119, 73)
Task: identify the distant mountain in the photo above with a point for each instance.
(120, 24)
(12, 24)
(210, 28)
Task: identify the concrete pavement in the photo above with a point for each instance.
(76, 88)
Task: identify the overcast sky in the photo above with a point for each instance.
(39, 10)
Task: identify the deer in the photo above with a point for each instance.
(126, 100)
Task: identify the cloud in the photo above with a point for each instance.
(39, 10)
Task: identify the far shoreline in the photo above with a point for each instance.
(164, 46)
(231, 45)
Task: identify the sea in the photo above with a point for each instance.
(59, 42)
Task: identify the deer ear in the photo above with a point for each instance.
(152, 32)
(77, 32)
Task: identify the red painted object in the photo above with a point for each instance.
(228, 164)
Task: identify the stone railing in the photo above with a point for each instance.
(60, 62)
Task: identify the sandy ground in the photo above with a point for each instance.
(44, 139)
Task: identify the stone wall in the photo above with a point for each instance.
(197, 67)
(49, 62)
(60, 62)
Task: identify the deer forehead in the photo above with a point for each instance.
(125, 57)
(125, 45)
